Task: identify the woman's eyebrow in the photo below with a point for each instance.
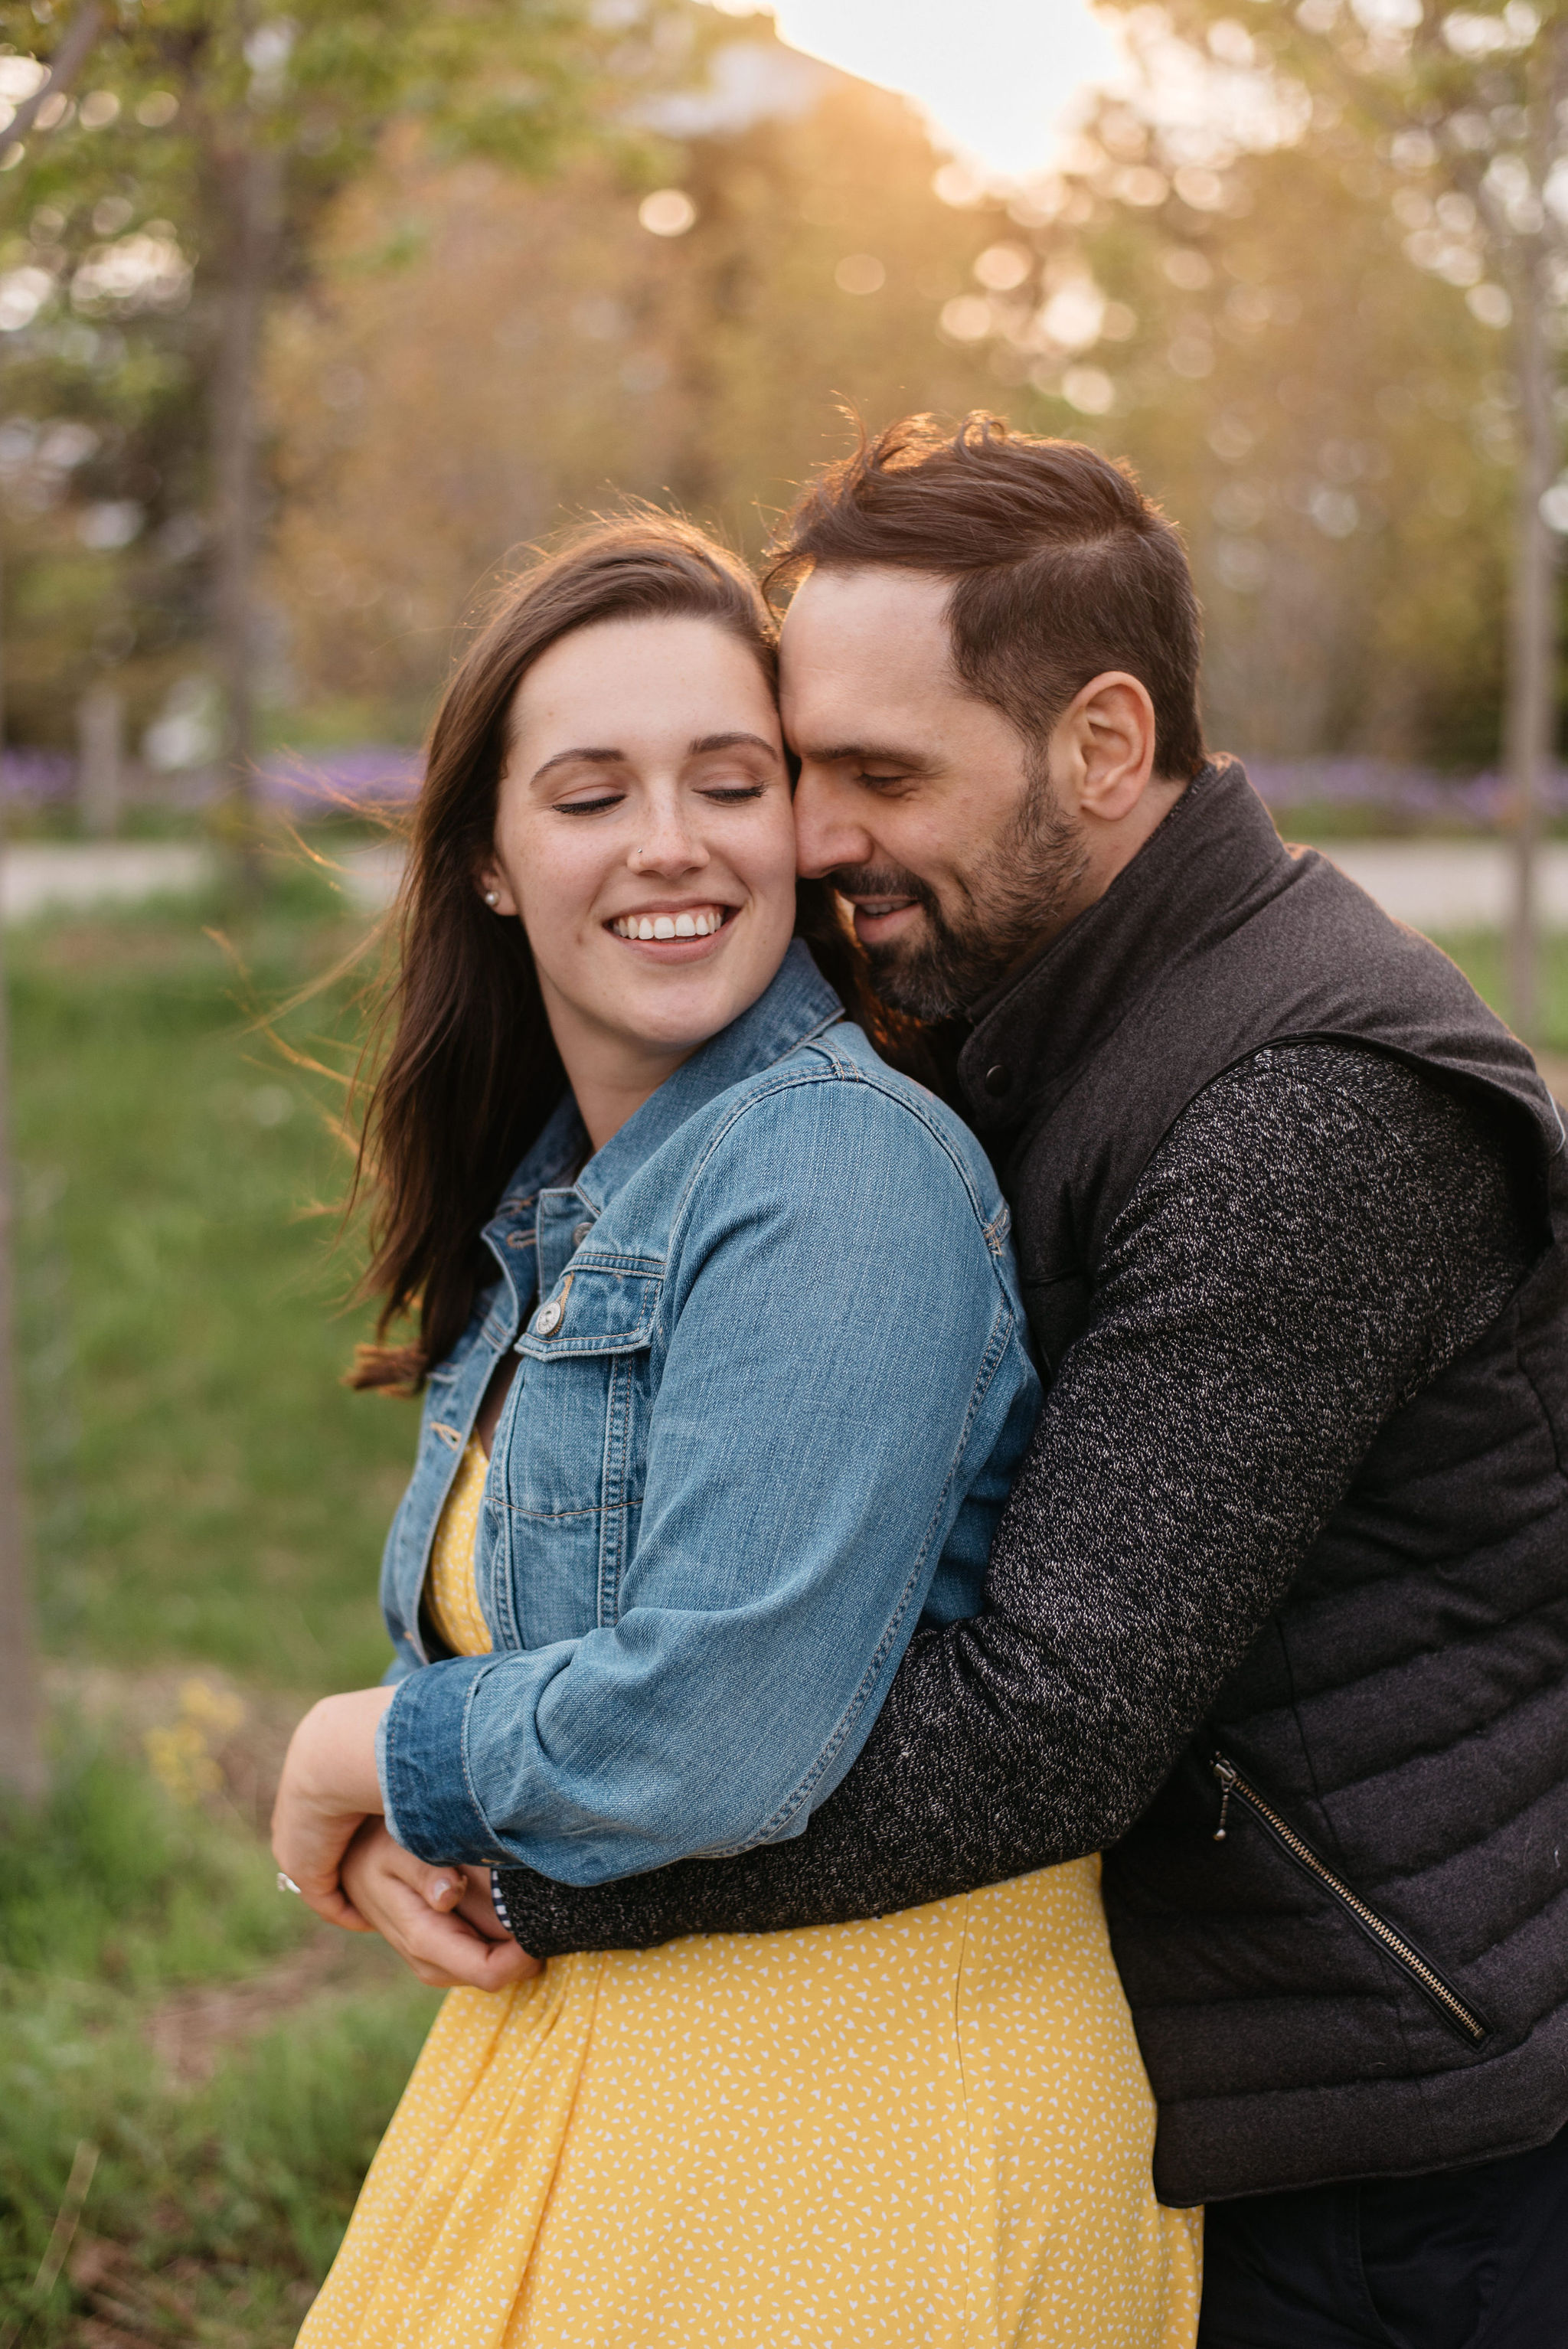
(732, 742)
(594, 758)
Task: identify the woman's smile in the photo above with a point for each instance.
(677, 932)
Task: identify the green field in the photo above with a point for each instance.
(208, 1506)
(208, 1509)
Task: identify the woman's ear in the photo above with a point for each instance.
(490, 883)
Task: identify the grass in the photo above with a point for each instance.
(227, 2063)
(204, 1484)
(209, 1504)
(1483, 956)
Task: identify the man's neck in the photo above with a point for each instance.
(1112, 846)
(1110, 849)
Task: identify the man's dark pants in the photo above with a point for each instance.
(1468, 2258)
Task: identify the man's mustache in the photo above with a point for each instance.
(878, 881)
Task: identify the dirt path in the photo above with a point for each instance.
(192, 2028)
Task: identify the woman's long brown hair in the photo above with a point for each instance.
(471, 1072)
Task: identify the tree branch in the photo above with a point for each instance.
(73, 53)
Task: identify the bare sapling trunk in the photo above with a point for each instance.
(1532, 695)
(100, 760)
(248, 187)
(1532, 712)
(22, 1768)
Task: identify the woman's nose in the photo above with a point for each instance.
(669, 843)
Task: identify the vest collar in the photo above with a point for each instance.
(1215, 859)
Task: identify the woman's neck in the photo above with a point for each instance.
(611, 1075)
(607, 1099)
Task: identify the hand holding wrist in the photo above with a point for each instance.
(328, 1785)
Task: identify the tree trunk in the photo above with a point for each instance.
(22, 1770)
(100, 760)
(1532, 713)
(247, 186)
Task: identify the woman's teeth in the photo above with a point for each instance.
(671, 926)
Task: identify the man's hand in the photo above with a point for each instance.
(441, 1920)
(328, 1785)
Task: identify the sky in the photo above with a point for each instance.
(996, 77)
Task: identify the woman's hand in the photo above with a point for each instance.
(441, 1920)
(328, 1785)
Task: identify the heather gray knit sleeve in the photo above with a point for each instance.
(1318, 1235)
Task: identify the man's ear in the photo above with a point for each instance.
(1108, 735)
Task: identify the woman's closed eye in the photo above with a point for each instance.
(594, 804)
(596, 801)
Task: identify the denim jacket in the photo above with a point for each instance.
(772, 1386)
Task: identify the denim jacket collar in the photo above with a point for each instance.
(559, 1146)
(798, 1004)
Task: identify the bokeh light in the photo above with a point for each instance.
(668, 211)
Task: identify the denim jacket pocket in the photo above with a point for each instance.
(577, 1458)
(600, 1305)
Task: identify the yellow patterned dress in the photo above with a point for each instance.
(929, 2131)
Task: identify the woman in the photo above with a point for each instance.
(723, 1397)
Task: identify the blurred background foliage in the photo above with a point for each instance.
(468, 331)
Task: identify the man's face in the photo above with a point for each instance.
(919, 804)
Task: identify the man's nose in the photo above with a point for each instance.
(830, 830)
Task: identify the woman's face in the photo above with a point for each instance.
(644, 837)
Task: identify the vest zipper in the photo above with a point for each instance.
(1378, 1931)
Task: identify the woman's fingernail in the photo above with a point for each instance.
(440, 1888)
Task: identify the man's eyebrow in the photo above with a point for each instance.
(732, 742)
(883, 754)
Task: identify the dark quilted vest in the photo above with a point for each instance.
(1368, 1975)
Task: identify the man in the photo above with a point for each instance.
(1278, 1610)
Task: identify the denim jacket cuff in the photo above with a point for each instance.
(429, 1807)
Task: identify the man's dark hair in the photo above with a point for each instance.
(1061, 567)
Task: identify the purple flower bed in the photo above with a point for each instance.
(1408, 794)
(38, 777)
(335, 782)
(377, 775)
(330, 783)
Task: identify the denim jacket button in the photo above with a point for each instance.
(548, 1318)
(580, 1234)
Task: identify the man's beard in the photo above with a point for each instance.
(1013, 898)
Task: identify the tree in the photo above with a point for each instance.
(210, 137)
(538, 349)
(1334, 440)
(22, 1767)
(1466, 111)
(220, 130)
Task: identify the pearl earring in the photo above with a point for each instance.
(492, 897)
